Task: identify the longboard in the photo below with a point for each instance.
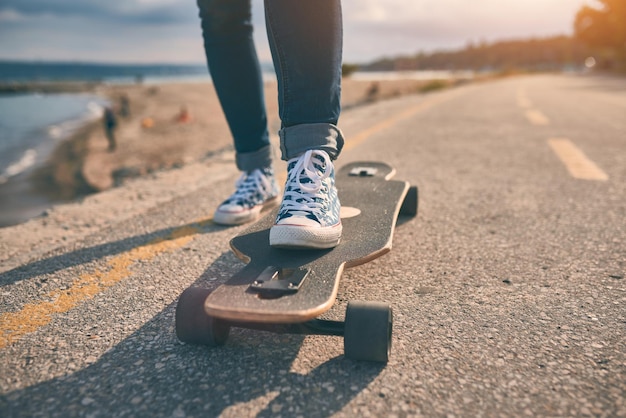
(282, 286)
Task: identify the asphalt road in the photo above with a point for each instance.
(508, 289)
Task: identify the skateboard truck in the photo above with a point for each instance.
(274, 282)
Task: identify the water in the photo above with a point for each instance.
(31, 124)
(15, 71)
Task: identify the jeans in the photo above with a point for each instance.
(305, 38)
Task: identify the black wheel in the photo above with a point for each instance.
(193, 325)
(410, 202)
(368, 331)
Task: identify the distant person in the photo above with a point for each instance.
(110, 123)
(372, 92)
(306, 43)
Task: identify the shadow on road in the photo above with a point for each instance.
(86, 255)
(150, 373)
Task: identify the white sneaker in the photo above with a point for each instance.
(256, 191)
(309, 213)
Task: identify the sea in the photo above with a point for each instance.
(32, 124)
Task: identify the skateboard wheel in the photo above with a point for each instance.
(368, 331)
(410, 202)
(193, 325)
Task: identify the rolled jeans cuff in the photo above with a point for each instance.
(296, 140)
(250, 161)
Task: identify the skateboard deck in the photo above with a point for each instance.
(292, 286)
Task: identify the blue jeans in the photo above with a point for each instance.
(305, 38)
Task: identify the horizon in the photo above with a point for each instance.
(155, 32)
(53, 61)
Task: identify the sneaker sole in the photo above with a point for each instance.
(300, 237)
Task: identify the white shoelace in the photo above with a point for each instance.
(308, 191)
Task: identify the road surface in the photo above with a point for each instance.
(508, 289)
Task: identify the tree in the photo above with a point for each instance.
(604, 29)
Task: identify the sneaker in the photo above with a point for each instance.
(309, 214)
(256, 191)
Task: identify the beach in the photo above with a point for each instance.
(155, 137)
(168, 125)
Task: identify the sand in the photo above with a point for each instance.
(154, 138)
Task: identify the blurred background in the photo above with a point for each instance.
(63, 63)
(167, 31)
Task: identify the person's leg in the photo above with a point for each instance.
(306, 43)
(110, 134)
(236, 75)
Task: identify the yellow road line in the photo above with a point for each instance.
(14, 325)
(577, 163)
(537, 118)
(32, 316)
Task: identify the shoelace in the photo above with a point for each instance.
(247, 184)
(302, 202)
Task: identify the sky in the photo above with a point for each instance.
(168, 31)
